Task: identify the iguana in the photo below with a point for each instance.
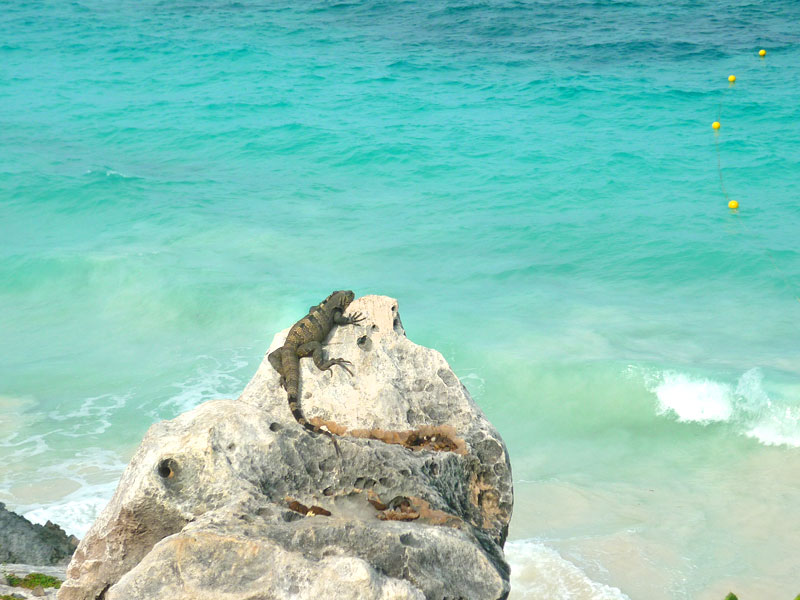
(305, 339)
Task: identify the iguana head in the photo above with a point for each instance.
(340, 299)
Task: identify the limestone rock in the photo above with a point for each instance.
(235, 500)
(24, 542)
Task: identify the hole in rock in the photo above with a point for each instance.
(167, 468)
(290, 516)
(274, 427)
(364, 342)
(408, 539)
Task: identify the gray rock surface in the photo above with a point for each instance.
(235, 500)
(24, 542)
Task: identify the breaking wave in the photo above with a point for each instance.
(745, 405)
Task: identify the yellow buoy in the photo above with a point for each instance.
(715, 124)
(762, 52)
(731, 78)
(733, 204)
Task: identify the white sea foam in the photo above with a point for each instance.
(94, 473)
(20, 447)
(746, 406)
(211, 380)
(94, 415)
(542, 573)
(778, 431)
(475, 384)
(15, 419)
(107, 171)
(699, 400)
(76, 512)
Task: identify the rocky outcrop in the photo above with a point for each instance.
(24, 542)
(235, 500)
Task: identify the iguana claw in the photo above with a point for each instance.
(341, 362)
(356, 317)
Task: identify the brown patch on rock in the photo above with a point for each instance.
(307, 511)
(396, 515)
(401, 503)
(373, 499)
(441, 439)
(484, 495)
(318, 510)
(399, 509)
(438, 438)
(411, 508)
(331, 426)
(296, 506)
(432, 516)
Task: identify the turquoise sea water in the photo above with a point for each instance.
(536, 182)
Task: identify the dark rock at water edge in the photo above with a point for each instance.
(24, 542)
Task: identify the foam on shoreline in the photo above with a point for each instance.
(538, 571)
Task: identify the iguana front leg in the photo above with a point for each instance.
(340, 319)
(314, 350)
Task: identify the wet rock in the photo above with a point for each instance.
(234, 499)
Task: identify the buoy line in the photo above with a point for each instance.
(734, 205)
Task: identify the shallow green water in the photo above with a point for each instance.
(537, 183)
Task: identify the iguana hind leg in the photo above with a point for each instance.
(314, 350)
(276, 360)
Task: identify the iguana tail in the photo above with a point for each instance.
(298, 415)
